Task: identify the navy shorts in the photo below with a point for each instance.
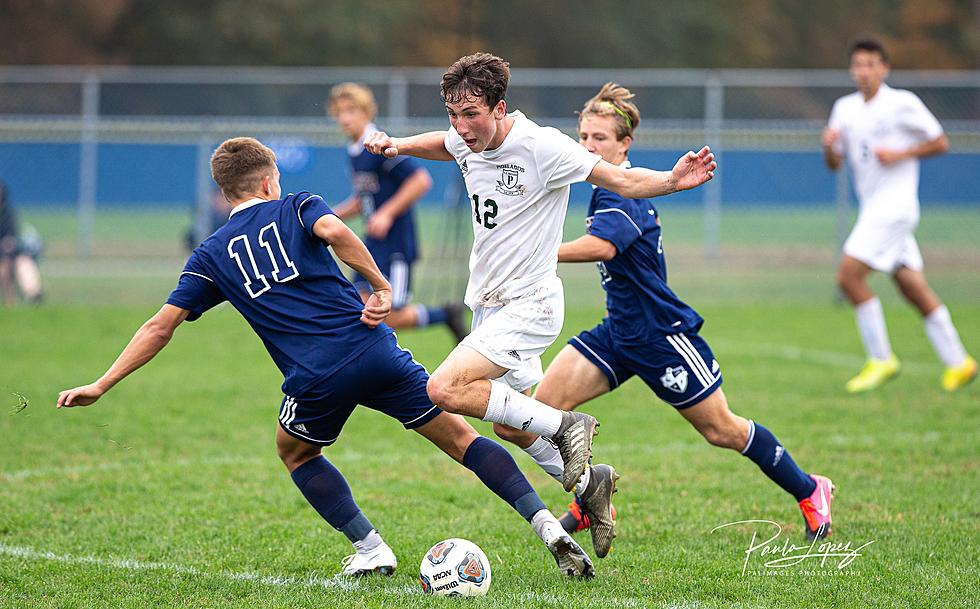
(680, 368)
(384, 378)
(398, 272)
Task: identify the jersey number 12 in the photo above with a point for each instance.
(486, 218)
(280, 274)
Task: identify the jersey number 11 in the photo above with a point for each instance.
(252, 275)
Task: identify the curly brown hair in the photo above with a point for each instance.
(481, 75)
(239, 164)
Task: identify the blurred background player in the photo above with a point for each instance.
(19, 251)
(384, 193)
(218, 210)
(271, 262)
(648, 332)
(883, 132)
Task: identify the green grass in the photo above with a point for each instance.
(168, 492)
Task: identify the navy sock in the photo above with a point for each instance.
(498, 471)
(328, 492)
(429, 316)
(774, 461)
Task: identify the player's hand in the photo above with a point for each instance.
(80, 396)
(378, 224)
(380, 142)
(889, 157)
(694, 169)
(377, 308)
(829, 137)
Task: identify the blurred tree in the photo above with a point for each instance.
(573, 33)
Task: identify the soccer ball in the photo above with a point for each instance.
(455, 567)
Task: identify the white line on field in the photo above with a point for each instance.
(337, 582)
(816, 356)
(41, 472)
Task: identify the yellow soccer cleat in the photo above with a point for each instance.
(960, 376)
(874, 374)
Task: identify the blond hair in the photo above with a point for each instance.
(239, 164)
(614, 100)
(357, 94)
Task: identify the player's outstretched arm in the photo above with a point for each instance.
(354, 254)
(149, 340)
(431, 145)
(691, 170)
(587, 248)
(409, 192)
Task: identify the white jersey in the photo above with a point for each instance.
(894, 119)
(518, 197)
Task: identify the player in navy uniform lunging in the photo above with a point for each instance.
(649, 332)
(271, 262)
(385, 193)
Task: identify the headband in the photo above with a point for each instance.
(620, 112)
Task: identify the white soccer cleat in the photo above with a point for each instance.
(380, 560)
(571, 558)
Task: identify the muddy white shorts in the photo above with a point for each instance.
(884, 244)
(515, 335)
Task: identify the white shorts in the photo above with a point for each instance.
(884, 244)
(514, 335)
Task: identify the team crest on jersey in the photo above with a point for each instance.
(675, 379)
(471, 569)
(439, 552)
(510, 178)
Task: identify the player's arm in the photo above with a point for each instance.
(354, 254)
(938, 145)
(829, 139)
(690, 171)
(587, 248)
(409, 192)
(348, 208)
(149, 340)
(431, 145)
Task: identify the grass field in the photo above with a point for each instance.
(168, 492)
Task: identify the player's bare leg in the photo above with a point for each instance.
(572, 380)
(882, 364)
(329, 494)
(499, 472)
(462, 384)
(28, 278)
(721, 427)
(960, 367)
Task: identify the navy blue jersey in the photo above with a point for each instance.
(269, 265)
(376, 178)
(640, 305)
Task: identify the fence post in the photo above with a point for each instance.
(714, 110)
(203, 187)
(397, 100)
(88, 163)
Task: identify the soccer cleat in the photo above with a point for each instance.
(956, 377)
(571, 558)
(597, 507)
(454, 319)
(574, 442)
(380, 560)
(874, 374)
(575, 520)
(816, 508)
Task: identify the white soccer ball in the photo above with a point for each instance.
(455, 567)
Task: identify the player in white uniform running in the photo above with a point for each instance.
(883, 132)
(518, 176)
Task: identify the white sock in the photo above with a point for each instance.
(546, 526)
(546, 456)
(871, 326)
(944, 338)
(521, 412)
(372, 541)
(583, 482)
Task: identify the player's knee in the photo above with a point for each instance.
(442, 393)
(294, 454)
